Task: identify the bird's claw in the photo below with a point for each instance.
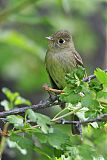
(52, 90)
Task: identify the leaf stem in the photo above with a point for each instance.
(67, 114)
(60, 112)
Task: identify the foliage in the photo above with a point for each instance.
(40, 133)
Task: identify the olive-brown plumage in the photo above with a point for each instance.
(61, 58)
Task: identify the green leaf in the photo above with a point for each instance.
(5, 104)
(20, 100)
(10, 95)
(41, 152)
(43, 121)
(57, 139)
(101, 76)
(102, 97)
(74, 79)
(90, 102)
(16, 120)
(23, 142)
(95, 85)
(80, 72)
(70, 98)
(14, 99)
(41, 137)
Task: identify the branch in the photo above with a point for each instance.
(42, 104)
(100, 118)
(87, 79)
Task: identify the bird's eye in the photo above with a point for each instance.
(61, 41)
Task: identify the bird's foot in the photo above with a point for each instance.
(52, 90)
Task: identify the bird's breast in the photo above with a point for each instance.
(58, 65)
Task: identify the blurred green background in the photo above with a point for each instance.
(24, 24)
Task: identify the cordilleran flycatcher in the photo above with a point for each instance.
(61, 58)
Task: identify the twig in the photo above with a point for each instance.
(42, 104)
(67, 114)
(60, 120)
(87, 79)
(100, 118)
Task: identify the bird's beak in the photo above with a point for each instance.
(49, 38)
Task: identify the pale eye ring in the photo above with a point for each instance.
(61, 41)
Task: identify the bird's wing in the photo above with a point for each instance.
(78, 58)
(79, 61)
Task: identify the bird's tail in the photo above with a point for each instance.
(76, 128)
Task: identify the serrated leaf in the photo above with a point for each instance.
(56, 139)
(101, 76)
(43, 121)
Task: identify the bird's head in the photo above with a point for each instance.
(61, 39)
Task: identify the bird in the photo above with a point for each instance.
(61, 58)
